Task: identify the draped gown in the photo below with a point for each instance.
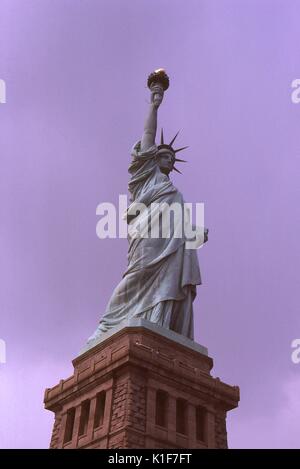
(160, 281)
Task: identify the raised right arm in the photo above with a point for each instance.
(150, 127)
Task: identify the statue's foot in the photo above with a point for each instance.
(94, 337)
(101, 329)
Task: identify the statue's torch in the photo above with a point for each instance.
(158, 77)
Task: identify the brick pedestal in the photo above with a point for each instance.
(141, 387)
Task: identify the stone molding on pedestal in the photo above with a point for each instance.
(141, 386)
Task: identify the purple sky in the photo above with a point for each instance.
(75, 73)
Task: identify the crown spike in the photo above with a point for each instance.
(182, 161)
(180, 149)
(162, 137)
(177, 170)
(172, 141)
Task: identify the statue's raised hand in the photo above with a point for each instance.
(157, 94)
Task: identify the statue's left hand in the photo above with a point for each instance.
(205, 235)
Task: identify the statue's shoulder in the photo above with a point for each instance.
(137, 150)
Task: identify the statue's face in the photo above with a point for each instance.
(166, 162)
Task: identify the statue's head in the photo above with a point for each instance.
(165, 160)
(166, 155)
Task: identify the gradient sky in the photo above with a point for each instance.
(75, 73)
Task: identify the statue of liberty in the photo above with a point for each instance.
(160, 281)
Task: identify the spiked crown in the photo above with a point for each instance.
(166, 146)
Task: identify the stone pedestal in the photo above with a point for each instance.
(141, 386)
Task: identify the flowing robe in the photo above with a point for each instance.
(160, 281)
